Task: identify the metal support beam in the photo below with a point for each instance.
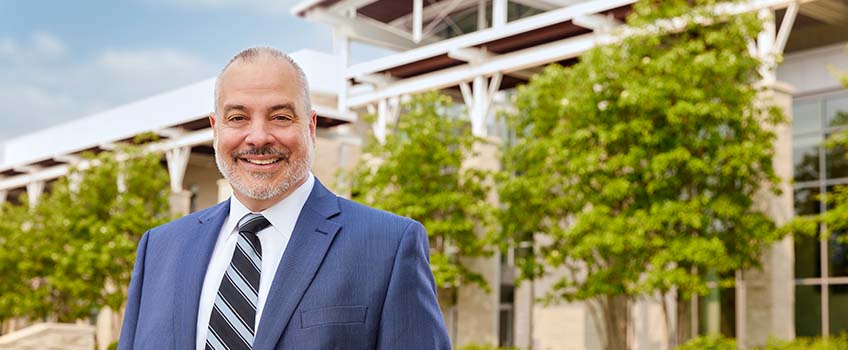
(68, 158)
(177, 163)
(597, 22)
(481, 14)
(786, 27)
(471, 55)
(369, 31)
(499, 13)
(171, 133)
(417, 19)
(478, 100)
(387, 113)
(341, 48)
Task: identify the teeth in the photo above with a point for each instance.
(262, 161)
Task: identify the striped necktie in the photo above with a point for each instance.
(234, 312)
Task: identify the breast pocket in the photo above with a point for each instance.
(333, 315)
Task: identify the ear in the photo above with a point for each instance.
(313, 125)
(212, 123)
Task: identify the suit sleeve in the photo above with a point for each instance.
(411, 318)
(126, 340)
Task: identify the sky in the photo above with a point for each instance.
(62, 60)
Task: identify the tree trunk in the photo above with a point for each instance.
(616, 316)
(684, 319)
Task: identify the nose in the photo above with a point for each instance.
(259, 135)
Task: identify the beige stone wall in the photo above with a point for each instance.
(203, 173)
(335, 152)
(770, 292)
(50, 336)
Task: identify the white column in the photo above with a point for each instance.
(481, 14)
(417, 19)
(499, 13)
(478, 99)
(387, 113)
(3, 195)
(380, 125)
(765, 47)
(177, 162)
(180, 199)
(34, 191)
(341, 47)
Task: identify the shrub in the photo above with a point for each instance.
(486, 347)
(718, 342)
(710, 342)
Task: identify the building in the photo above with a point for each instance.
(477, 51)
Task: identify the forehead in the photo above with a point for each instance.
(260, 76)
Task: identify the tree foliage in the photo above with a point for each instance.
(639, 164)
(73, 252)
(418, 172)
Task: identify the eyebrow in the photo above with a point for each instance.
(285, 106)
(228, 108)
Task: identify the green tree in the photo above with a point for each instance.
(74, 251)
(418, 172)
(639, 165)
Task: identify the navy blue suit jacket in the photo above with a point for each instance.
(351, 277)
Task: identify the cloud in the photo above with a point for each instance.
(125, 75)
(47, 45)
(8, 47)
(41, 86)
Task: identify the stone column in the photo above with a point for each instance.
(477, 311)
(769, 293)
(180, 199)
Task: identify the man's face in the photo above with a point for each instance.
(264, 137)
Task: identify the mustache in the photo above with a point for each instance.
(262, 152)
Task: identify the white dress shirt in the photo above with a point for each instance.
(274, 239)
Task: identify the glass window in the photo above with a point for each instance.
(806, 116)
(836, 163)
(836, 108)
(837, 250)
(807, 201)
(805, 157)
(807, 257)
(838, 305)
(808, 318)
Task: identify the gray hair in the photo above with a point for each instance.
(264, 52)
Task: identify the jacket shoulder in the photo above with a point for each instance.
(193, 219)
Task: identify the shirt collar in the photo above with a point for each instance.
(278, 214)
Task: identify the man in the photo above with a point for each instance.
(284, 263)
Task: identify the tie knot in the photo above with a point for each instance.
(253, 223)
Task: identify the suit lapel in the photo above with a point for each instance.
(197, 245)
(313, 233)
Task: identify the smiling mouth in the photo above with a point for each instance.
(262, 161)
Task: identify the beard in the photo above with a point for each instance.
(255, 185)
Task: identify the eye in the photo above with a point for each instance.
(236, 118)
(282, 118)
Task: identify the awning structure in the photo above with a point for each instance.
(474, 48)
